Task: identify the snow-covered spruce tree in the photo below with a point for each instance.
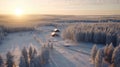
(99, 58)
(10, 60)
(25, 55)
(103, 37)
(105, 50)
(44, 55)
(34, 53)
(22, 62)
(108, 38)
(108, 56)
(116, 57)
(31, 50)
(88, 36)
(96, 36)
(1, 61)
(93, 53)
(33, 61)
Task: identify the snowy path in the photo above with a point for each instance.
(62, 56)
(69, 58)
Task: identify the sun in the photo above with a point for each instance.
(18, 12)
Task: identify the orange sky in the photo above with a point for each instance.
(67, 7)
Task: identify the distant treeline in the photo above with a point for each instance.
(91, 21)
(104, 33)
(5, 30)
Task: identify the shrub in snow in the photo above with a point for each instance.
(99, 58)
(50, 45)
(10, 60)
(1, 61)
(93, 53)
(116, 57)
(25, 55)
(109, 52)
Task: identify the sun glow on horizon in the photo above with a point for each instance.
(18, 12)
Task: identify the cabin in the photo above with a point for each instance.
(53, 34)
(56, 30)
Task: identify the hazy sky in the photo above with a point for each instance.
(76, 7)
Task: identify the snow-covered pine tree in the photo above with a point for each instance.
(93, 53)
(31, 50)
(25, 55)
(96, 37)
(99, 58)
(1, 61)
(105, 49)
(10, 59)
(109, 53)
(116, 57)
(108, 37)
(34, 53)
(33, 62)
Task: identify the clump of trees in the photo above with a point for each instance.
(25, 56)
(18, 29)
(10, 60)
(30, 57)
(108, 56)
(103, 33)
(5, 30)
(116, 57)
(99, 58)
(108, 53)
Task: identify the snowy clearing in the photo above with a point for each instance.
(74, 55)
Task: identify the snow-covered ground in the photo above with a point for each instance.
(75, 55)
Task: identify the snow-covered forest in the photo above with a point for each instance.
(61, 41)
(104, 33)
